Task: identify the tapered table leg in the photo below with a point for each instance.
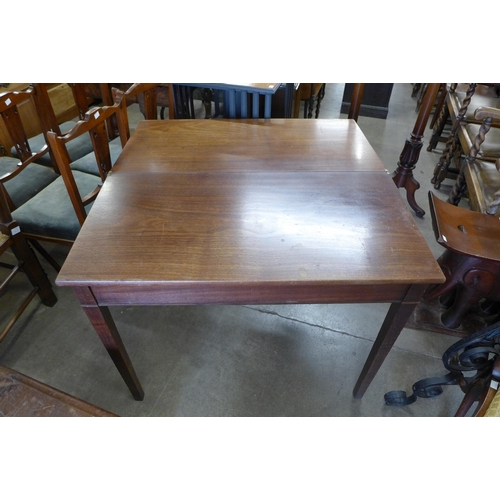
(395, 321)
(403, 175)
(103, 323)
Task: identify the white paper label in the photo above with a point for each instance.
(16, 230)
(97, 115)
(8, 101)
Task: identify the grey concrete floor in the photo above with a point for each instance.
(287, 360)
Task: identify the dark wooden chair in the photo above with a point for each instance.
(309, 94)
(471, 261)
(57, 212)
(11, 238)
(22, 176)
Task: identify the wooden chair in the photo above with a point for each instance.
(101, 95)
(471, 261)
(478, 175)
(48, 121)
(12, 238)
(57, 212)
(461, 103)
(309, 93)
(145, 94)
(22, 177)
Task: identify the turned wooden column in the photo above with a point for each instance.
(403, 175)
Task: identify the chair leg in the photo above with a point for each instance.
(321, 94)
(438, 128)
(475, 393)
(441, 168)
(45, 255)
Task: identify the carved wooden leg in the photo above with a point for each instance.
(403, 176)
(440, 104)
(103, 323)
(458, 188)
(397, 316)
(438, 127)
(442, 166)
(453, 143)
(321, 94)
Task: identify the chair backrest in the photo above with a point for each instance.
(145, 94)
(93, 123)
(9, 112)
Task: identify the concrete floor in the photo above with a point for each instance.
(287, 360)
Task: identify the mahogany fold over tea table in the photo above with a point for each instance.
(248, 212)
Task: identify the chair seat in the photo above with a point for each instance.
(28, 183)
(88, 164)
(483, 181)
(76, 149)
(50, 213)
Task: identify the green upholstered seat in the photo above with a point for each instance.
(27, 183)
(76, 148)
(88, 163)
(50, 213)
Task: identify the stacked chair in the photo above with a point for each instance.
(460, 104)
(25, 173)
(55, 211)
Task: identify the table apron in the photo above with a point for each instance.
(187, 294)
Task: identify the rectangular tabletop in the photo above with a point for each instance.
(248, 145)
(249, 212)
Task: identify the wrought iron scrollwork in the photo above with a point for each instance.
(475, 353)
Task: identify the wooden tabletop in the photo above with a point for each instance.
(269, 209)
(248, 145)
